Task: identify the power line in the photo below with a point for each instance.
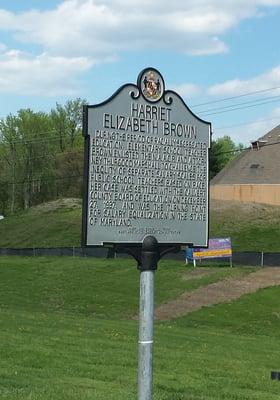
(241, 108)
(246, 123)
(52, 138)
(219, 110)
(45, 156)
(42, 180)
(240, 104)
(23, 141)
(233, 151)
(37, 133)
(236, 97)
(80, 175)
(56, 138)
(247, 148)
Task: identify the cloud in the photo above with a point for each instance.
(104, 28)
(40, 75)
(77, 34)
(187, 89)
(3, 47)
(266, 90)
(269, 79)
(247, 132)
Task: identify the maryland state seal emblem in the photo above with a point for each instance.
(152, 85)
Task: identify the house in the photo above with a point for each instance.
(253, 176)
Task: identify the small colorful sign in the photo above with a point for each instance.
(217, 248)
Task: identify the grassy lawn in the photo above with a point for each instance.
(67, 333)
(102, 288)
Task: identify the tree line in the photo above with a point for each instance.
(41, 156)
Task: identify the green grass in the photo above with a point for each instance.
(102, 288)
(39, 227)
(250, 236)
(252, 227)
(58, 224)
(254, 314)
(67, 333)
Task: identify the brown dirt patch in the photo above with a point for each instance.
(69, 203)
(218, 292)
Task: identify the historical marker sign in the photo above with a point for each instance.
(146, 167)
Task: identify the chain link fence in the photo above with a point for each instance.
(258, 259)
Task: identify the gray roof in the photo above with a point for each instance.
(254, 166)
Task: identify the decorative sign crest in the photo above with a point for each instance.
(151, 85)
(146, 167)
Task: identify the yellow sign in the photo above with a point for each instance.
(212, 253)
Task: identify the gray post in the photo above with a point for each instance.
(145, 344)
(149, 259)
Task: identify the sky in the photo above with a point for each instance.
(222, 57)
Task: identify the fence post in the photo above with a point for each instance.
(262, 259)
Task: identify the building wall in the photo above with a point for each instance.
(256, 193)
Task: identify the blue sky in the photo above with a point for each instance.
(206, 50)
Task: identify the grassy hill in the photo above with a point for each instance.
(67, 333)
(54, 224)
(252, 227)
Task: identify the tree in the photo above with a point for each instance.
(26, 148)
(222, 151)
(69, 173)
(9, 150)
(4, 184)
(67, 122)
(74, 113)
(60, 125)
(37, 151)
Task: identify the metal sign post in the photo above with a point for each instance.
(146, 317)
(145, 343)
(147, 257)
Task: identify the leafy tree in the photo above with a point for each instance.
(26, 145)
(10, 150)
(37, 151)
(69, 173)
(222, 151)
(4, 184)
(74, 113)
(67, 122)
(35, 131)
(60, 125)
